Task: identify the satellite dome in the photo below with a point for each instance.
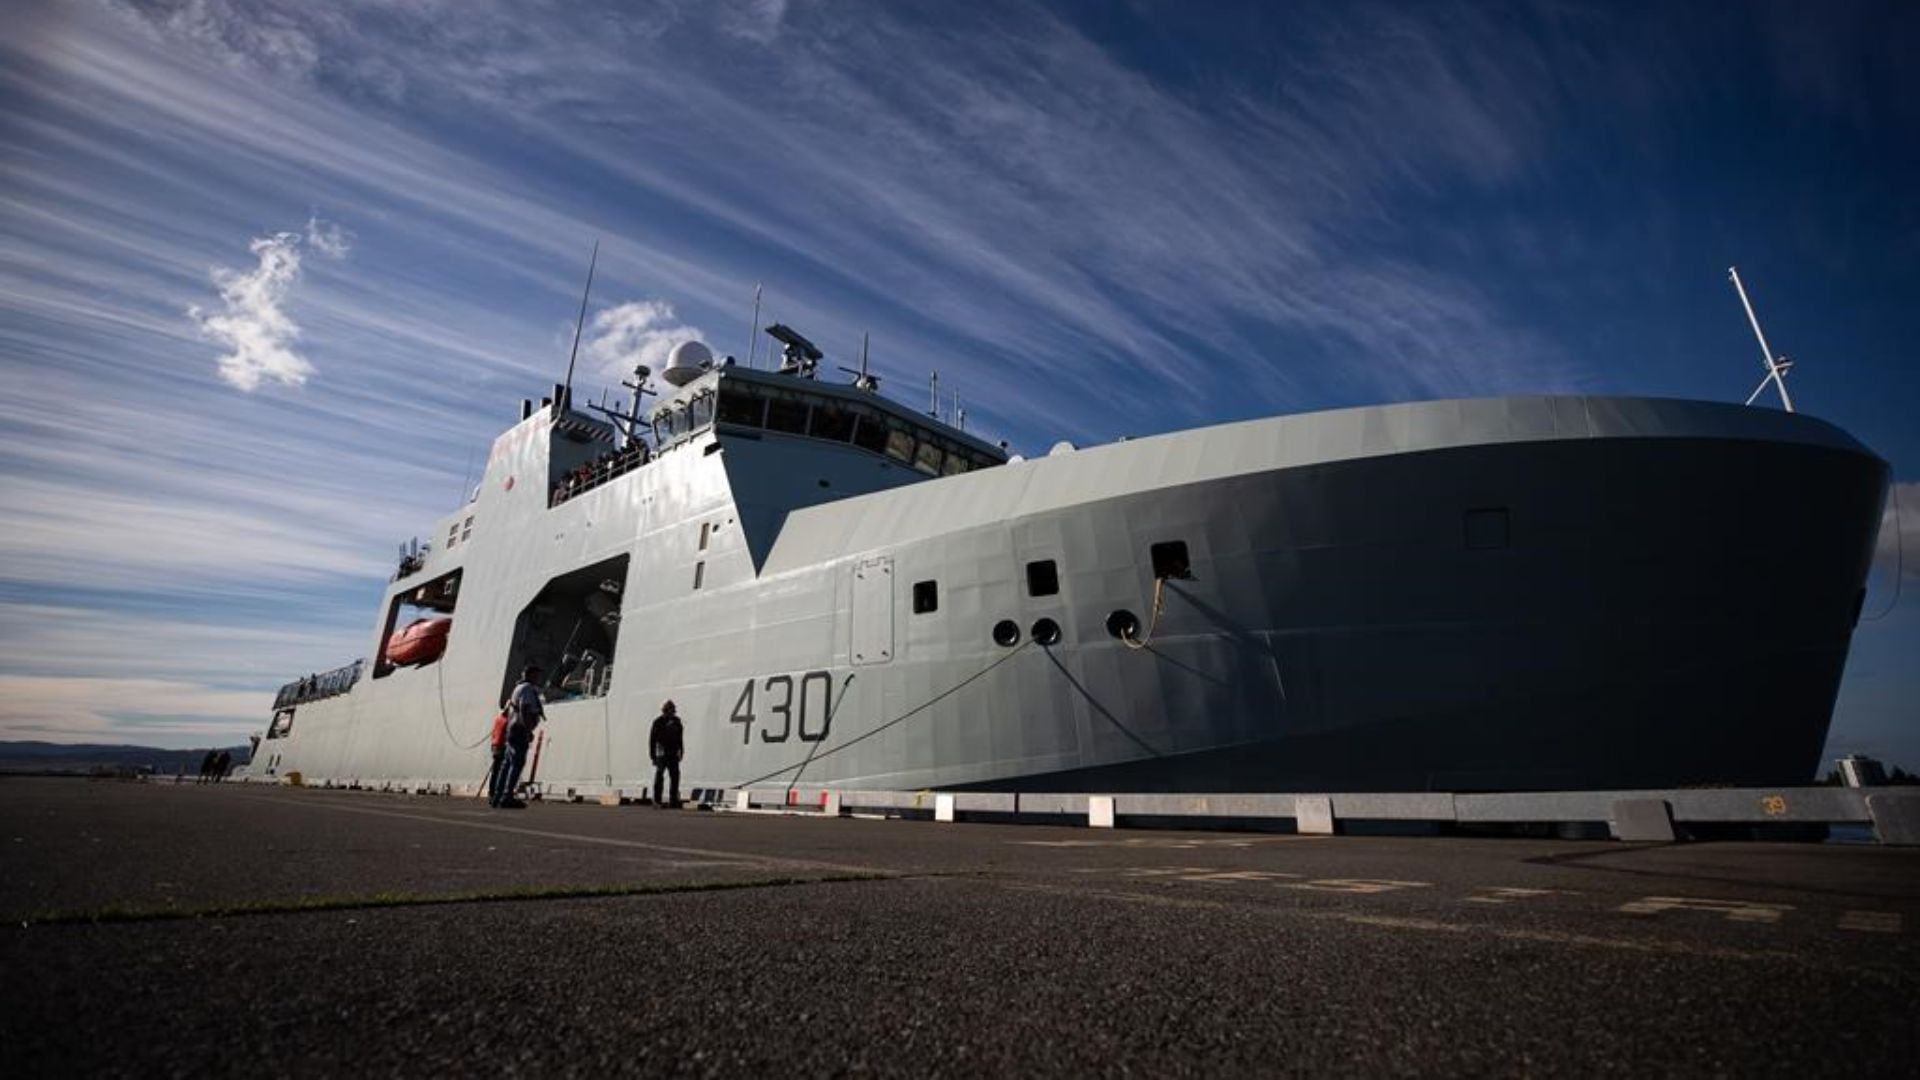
(687, 361)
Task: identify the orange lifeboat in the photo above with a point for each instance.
(421, 643)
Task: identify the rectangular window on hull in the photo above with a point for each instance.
(926, 597)
(1170, 560)
(1043, 578)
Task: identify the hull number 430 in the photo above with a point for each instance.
(789, 709)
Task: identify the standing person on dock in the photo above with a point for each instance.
(495, 772)
(222, 765)
(206, 766)
(525, 710)
(665, 745)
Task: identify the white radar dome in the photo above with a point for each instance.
(687, 361)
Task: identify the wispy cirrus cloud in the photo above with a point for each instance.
(1277, 207)
(253, 323)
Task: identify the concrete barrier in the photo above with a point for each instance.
(1313, 815)
(1896, 816)
(1100, 811)
(1643, 821)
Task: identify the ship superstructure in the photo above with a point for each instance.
(840, 591)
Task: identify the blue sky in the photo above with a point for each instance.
(272, 274)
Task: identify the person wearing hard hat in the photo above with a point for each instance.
(665, 745)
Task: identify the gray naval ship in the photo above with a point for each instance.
(843, 592)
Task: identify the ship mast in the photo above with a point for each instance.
(1776, 366)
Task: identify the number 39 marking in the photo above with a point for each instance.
(781, 703)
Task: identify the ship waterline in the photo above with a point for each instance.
(1513, 593)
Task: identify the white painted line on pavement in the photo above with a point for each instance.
(1873, 922)
(1749, 911)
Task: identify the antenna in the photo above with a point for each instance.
(861, 379)
(566, 395)
(753, 326)
(1776, 366)
(933, 388)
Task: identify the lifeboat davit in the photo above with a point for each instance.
(420, 643)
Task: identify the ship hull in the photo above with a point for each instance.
(1647, 594)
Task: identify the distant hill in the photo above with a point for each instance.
(46, 757)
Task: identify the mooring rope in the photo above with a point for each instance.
(1153, 619)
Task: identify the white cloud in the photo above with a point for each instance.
(61, 709)
(328, 239)
(254, 324)
(636, 332)
(1898, 548)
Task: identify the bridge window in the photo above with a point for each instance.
(788, 414)
(871, 433)
(702, 411)
(741, 405)
(927, 457)
(832, 422)
(900, 444)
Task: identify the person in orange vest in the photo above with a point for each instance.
(495, 774)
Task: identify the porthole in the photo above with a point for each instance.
(1046, 632)
(1124, 624)
(1006, 633)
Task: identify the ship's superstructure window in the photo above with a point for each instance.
(900, 444)
(927, 457)
(791, 411)
(699, 574)
(1043, 578)
(453, 534)
(1487, 529)
(742, 404)
(1170, 560)
(871, 434)
(787, 413)
(466, 529)
(832, 422)
(926, 597)
(571, 630)
(700, 409)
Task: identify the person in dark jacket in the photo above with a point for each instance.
(525, 710)
(665, 745)
(206, 766)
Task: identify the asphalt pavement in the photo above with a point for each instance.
(195, 930)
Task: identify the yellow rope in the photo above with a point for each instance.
(1153, 620)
